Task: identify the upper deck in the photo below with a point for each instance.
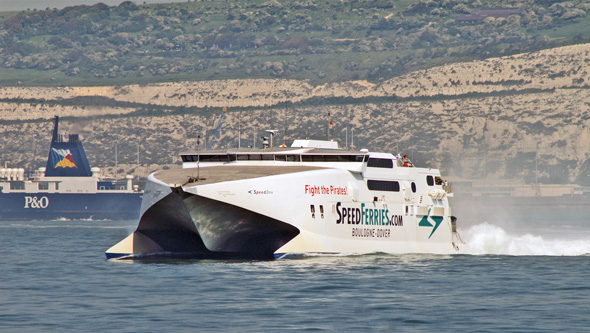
(274, 154)
(381, 171)
(334, 158)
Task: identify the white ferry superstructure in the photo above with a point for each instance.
(275, 202)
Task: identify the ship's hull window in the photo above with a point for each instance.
(430, 180)
(17, 185)
(383, 185)
(380, 163)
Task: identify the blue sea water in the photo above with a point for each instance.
(523, 275)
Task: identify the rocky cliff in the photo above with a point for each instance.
(520, 117)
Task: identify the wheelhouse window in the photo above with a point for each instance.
(380, 163)
(43, 186)
(383, 185)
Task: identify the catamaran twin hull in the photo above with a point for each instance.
(265, 212)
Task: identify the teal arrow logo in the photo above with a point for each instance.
(424, 222)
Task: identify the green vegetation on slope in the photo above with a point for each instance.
(321, 41)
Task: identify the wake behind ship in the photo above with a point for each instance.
(276, 202)
(66, 188)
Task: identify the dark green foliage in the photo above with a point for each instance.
(321, 41)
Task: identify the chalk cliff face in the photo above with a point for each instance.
(495, 118)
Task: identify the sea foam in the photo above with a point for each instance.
(486, 238)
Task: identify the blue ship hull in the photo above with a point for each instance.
(67, 188)
(52, 206)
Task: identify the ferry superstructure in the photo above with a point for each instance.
(67, 188)
(275, 202)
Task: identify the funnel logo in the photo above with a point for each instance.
(65, 158)
(431, 221)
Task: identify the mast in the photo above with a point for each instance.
(54, 138)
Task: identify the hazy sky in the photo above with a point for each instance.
(10, 5)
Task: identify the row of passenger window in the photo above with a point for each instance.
(372, 162)
(277, 157)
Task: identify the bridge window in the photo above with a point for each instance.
(383, 185)
(380, 163)
(43, 186)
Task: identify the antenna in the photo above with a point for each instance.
(272, 137)
(239, 130)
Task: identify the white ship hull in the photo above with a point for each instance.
(283, 209)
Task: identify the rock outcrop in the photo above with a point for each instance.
(495, 118)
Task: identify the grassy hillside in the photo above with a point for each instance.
(319, 41)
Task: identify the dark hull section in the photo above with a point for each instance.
(52, 206)
(190, 226)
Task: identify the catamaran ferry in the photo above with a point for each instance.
(311, 198)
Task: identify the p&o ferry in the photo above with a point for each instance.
(67, 188)
(311, 198)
